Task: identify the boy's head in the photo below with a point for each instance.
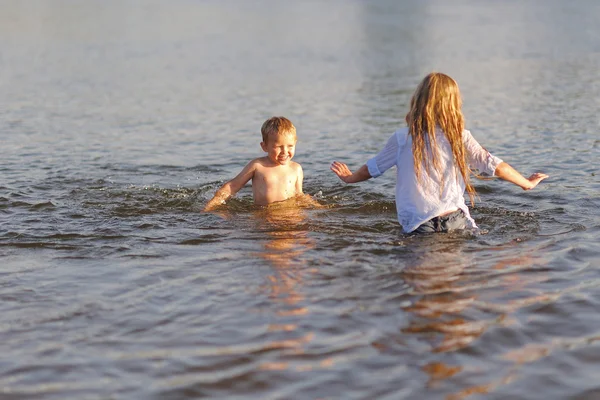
(276, 126)
(279, 140)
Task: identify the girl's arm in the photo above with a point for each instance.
(232, 187)
(377, 165)
(481, 159)
(506, 172)
(478, 157)
(344, 173)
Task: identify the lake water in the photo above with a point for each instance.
(120, 119)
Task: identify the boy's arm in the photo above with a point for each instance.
(305, 198)
(344, 173)
(506, 172)
(299, 180)
(232, 187)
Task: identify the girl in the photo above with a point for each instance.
(432, 156)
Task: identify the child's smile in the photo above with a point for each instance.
(280, 149)
(275, 177)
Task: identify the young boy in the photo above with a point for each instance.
(274, 177)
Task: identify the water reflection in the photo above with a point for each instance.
(284, 225)
(437, 275)
(287, 240)
(459, 298)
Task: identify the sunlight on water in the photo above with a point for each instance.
(119, 121)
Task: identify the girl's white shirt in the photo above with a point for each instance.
(417, 201)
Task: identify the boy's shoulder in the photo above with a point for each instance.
(260, 161)
(264, 161)
(295, 168)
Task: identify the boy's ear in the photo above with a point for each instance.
(263, 146)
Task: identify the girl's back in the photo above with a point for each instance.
(435, 192)
(434, 156)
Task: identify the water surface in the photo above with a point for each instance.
(119, 120)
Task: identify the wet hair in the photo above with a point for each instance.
(437, 103)
(277, 126)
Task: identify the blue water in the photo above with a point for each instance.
(119, 120)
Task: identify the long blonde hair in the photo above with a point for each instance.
(437, 103)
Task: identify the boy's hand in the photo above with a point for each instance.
(535, 179)
(342, 171)
(212, 205)
(224, 193)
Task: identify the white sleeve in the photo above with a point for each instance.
(478, 157)
(385, 159)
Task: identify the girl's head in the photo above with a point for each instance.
(436, 103)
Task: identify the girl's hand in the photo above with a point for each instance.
(535, 179)
(342, 171)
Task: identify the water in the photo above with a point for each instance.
(119, 120)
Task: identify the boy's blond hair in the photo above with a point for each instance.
(277, 126)
(437, 103)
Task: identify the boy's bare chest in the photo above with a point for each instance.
(275, 177)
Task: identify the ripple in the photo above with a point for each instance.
(114, 283)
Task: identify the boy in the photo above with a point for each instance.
(275, 177)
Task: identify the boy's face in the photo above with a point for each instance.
(280, 148)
